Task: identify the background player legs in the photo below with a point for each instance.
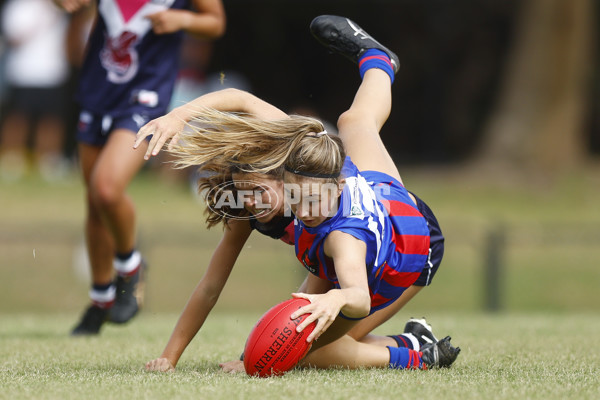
(110, 229)
(113, 170)
(100, 245)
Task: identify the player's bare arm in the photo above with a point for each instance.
(204, 297)
(352, 299)
(168, 127)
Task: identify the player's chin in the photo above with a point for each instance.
(264, 216)
(312, 222)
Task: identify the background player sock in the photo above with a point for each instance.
(407, 340)
(401, 358)
(374, 58)
(103, 296)
(124, 256)
(127, 264)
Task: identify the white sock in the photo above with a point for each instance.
(103, 298)
(126, 267)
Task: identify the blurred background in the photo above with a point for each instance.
(495, 124)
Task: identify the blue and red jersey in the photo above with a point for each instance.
(128, 68)
(376, 209)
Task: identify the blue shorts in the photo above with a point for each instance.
(94, 129)
(436, 245)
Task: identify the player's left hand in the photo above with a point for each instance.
(160, 364)
(323, 308)
(168, 21)
(233, 367)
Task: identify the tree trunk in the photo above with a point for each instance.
(537, 124)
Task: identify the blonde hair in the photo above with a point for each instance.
(223, 142)
(225, 138)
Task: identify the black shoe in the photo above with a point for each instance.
(420, 329)
(130, 296)
(347, 38)
(440, 354)
(91, 322)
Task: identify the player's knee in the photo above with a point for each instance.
(103, 194)
(347, 119)
(355, 121)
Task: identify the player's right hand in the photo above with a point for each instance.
(160, 365)
(161, 129)
(323, 309)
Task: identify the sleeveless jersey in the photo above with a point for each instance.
(127, 67)
(376, 209)
(281, 228)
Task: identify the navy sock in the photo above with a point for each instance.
(101, 288)
(124, 256)
(403, 358)
(374, 58)
(403, 341)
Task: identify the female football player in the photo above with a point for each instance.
(368, 243)
(126, 80)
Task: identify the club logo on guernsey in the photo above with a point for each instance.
(356, 211)
(120, 58)
(308, 264)
(126, 24)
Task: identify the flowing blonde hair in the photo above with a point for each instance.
(225, 142)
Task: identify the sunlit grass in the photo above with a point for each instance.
(532, 356)
(543, 346)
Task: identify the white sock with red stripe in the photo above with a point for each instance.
(128, 266)
(103, 296)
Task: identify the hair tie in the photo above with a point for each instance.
(318, 134)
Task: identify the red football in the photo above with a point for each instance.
(274, 346)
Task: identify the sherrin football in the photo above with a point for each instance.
(273, 346)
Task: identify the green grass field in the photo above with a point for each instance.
(544, 343)
(516, 356)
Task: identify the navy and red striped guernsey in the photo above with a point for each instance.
(377, 209)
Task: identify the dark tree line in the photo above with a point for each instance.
(488, 81)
